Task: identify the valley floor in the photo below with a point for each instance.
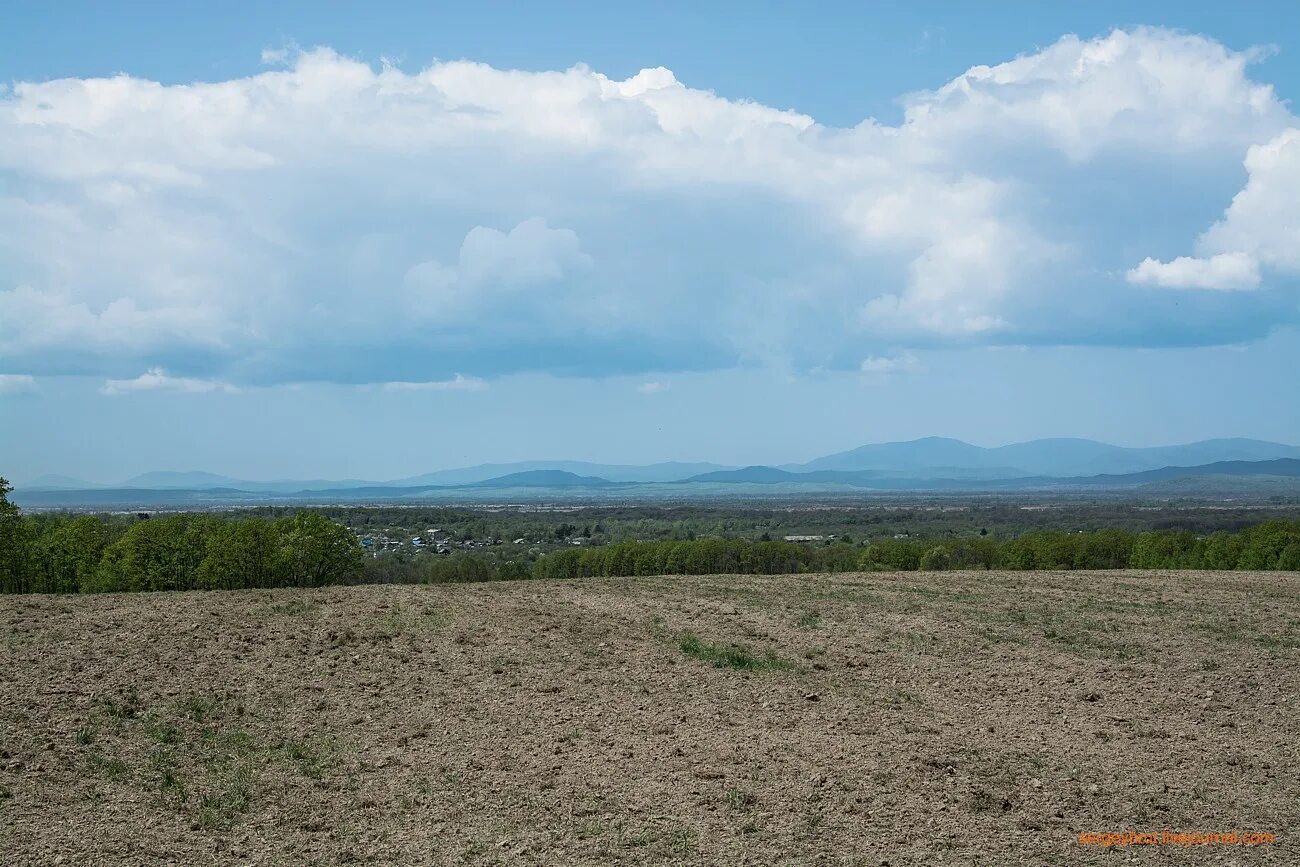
(918, 718)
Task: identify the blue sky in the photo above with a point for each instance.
(278, 240)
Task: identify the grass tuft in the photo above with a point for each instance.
(729, 655)
(739, 801)
(810, 620)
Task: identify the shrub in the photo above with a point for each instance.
(891, 555)
(937, 559)
(1166, 549)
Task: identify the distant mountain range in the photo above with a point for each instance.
(759, 475)
(663, 472)
(931, 463)
(544, 479)
(931, 456)
(200, 481)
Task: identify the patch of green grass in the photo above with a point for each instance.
(122, 707)
(432, 618)
(1223, 631)
(900, 696)
(402, 621)
(1121, 606)
(169, 782)
(1210, 664)
(188, 755)
(391, 625)
(108, 766)
(310, 760)
(1013, 616)
(682, 842)
(228, 742)
(227, 800)
(1274, 642)
(199, 707)
(1082, 637)
(729, 655)
(916, 642)
(590, 830)
(637, 839)
(993, 636)
(813, 820)
(161, 731)
(295, 607)
(810, 620)
(739, 801)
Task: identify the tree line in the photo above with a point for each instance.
(88, 554)
(1270, 545)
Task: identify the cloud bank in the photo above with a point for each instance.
(333, 220)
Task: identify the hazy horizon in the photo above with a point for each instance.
(326, 476)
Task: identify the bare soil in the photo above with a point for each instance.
(958, 718)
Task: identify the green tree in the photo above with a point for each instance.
(892, 555)
(1019, 553)
(68, 554)
(972, 553)
(1264, 544)
(1105, 549)
(15, 545)
(242, 554)
(1223, 550)
(315, 551)
(1166, 549)
(937, 559)
(155, 554)
(1057, 550)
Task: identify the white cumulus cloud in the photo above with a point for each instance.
(495, 267)
(326, 218)
(1260, 229)
(1226, 271)
(157, 379)
(456, 383)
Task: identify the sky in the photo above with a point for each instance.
(304, 240)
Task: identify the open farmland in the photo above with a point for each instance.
(918, 718)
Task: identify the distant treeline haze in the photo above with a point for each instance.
(88, 554)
